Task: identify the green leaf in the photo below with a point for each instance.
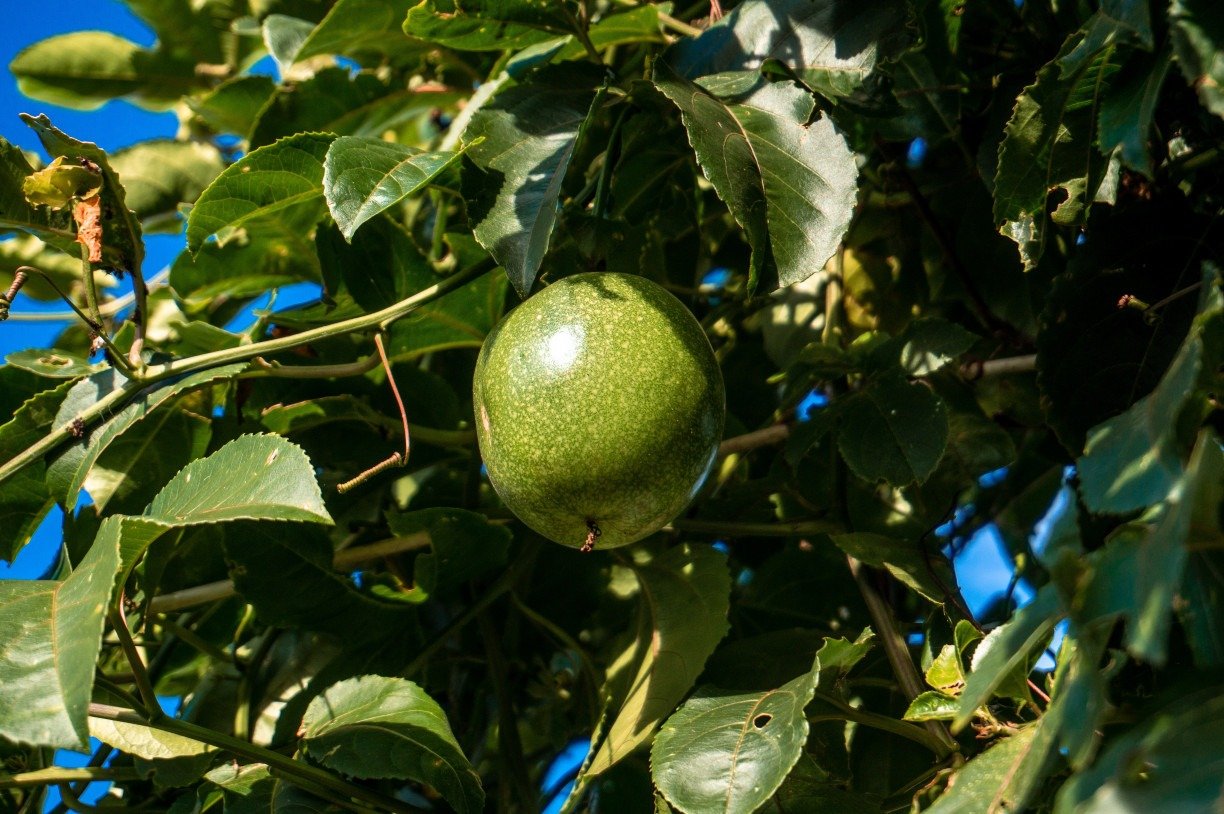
(17, 213)
(360, 29)
(932, 705)
(463, 546)
(253, 477)
(85, 69)
(1048, 143)
(1132, 460)
(998, 779)
(58, 183)
(927, 572)
(685, 599)
(52, 632)
(123, 244)
(788, 181)
(1170, 762)
(234, 105)
(1197, 29)
(438, 22)
(893, 430)
(834, 46)
(946, 672)
(160, 175)
(1004, 655)
(375, 727)
(730, 753)
(284, 37)
(363, 177)
(251, 789)
(1129, 109)
(52, 364)
(282, 182)
(67, 472)
(529, 135)
(24, 500)
(145, 742)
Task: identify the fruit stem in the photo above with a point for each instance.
(593, 534)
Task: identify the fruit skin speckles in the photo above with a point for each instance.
(600, 404)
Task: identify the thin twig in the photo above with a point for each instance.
(679, 27)
(980, 369)
(751, 440)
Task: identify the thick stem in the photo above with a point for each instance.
(288, 766)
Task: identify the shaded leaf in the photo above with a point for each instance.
(1168, 763)
(67, 471)
(463, 546)
(252, 477)
(788, 181)
(1197, 29)
(928, 573)
(286, 574)
(893, 430)
(832, 45)
(364, 176)
(929, 343)
(281, 182)
(52, 632)
(1132, 460)
(375, 727)
(335, 101)
(1048, 143)
(685, 598)
(1127, 112)
(529, 135)
(730, 753)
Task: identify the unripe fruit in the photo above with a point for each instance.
(599, 408)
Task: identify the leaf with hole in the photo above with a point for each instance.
(724, 752)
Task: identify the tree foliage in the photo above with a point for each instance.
(959, 262)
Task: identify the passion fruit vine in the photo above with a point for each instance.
(599, 408)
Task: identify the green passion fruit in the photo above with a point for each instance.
(599, 409)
